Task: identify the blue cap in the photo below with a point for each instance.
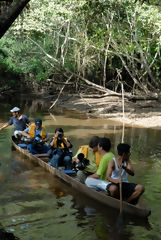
(38, 122)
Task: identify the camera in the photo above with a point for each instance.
(60, 135)
(38, 139)
(37, 143)
(83, 162)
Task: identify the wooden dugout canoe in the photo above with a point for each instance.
(139, 210)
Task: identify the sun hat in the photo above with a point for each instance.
(15, 109)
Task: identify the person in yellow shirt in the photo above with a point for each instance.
(91, 153)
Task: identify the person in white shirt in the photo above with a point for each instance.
(118, 169)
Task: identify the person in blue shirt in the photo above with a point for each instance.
(37, 135)
(20, 122)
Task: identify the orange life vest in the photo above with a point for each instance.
(32, 128)
(84, 150)
(62, 145)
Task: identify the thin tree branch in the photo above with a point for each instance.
(60, 93)
(45, 53)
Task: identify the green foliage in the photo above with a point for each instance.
(7, 64)
(80, 34)
(16, 57)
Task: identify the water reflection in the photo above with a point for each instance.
(35, 205)
(109, 224)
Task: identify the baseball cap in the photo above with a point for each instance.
(38, 122)
(15, 109)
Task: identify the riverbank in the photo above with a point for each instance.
(141, 113)
(138, 113)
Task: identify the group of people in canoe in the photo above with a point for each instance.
(95, 164)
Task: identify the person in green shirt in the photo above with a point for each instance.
(91, 153)
(97, 180)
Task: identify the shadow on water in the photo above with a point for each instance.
(4, 235)
(107, 223)
(117, 220)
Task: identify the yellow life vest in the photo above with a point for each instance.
(84, 150)
(32, 128)
(62, 145)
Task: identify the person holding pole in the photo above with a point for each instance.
(117, 172)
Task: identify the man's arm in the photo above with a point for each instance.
(94, 175)
(4, 126)
(129, 169)
(53, 141)
(68, 144)
(75, 159)
(25, 118)
(99, 171)
(25, 133)
(46, 139)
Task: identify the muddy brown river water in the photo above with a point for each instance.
(36, 206)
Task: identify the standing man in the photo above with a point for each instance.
(117, 172)
(20, 121)
(38, 135)
(97, 180)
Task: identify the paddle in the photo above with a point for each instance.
(120, 221)
(123, 129)
(120, 186)
(121, 207)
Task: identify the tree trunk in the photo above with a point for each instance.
(7, 18)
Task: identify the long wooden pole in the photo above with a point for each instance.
(123, 116)
(121, 203)
(123, 113)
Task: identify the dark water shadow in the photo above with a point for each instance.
(113, 225)
(119, 220)
(107, 223)
(4, 235)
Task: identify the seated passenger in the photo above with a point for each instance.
(97, 180)
(91, 153)
(59, 152)
(36, 132)
(117, 172)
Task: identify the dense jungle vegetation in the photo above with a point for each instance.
(103, 43)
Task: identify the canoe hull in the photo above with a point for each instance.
(101, 198)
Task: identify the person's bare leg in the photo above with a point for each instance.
(113, 189)
(139, 189)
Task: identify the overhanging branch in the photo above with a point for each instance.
(6, 19)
